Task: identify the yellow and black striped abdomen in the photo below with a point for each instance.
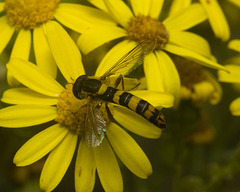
(141, 107)
(136, 104)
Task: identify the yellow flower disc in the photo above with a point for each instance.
(190, 73)
(29, 14)
(143, 27)
(72, 112)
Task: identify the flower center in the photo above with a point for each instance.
(142, 28)
(29, 13)
(72, 112)
(190, 73)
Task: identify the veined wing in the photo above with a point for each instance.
(131, 60)
(95, 124)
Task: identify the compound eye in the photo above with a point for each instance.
(81, 95)
(77, 87)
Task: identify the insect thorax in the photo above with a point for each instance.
(85, 85)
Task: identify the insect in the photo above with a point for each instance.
(98, 91)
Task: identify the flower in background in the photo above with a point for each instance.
(233, 75)
(204, 133)
(214, 12)
(197, 84)
(44, 99)
(26, 16)
(141, 24)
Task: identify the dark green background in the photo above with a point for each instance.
(178, 165)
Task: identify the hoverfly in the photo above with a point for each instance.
(98, 92)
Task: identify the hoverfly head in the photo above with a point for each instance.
(77, 87)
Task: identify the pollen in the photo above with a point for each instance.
(29, 14)
(142, 28)
(73, 112)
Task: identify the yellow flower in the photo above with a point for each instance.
(142, 24)
(215, 14)
(197, 84)
(233, 75)
(43, 99)
(24, 16)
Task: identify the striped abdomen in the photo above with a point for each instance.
(134, 103)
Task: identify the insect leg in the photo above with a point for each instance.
(119, 81)
(126, 84)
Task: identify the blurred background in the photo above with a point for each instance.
(198, 151)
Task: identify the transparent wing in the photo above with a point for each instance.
(131, 60)
(95, 125)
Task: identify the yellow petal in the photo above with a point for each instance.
(136, 123)
(167, 74)
(22, 45)
(85, 169)
(40, 145)
(58, 162)
(234, 45)
(97, 36)
(202, 92)
(141, 7)
(114, 55)
(235, 107)
(217, 94)
(185, 93)
(129, 151)
(232, 76)
(153, 73)
(119, 11)
(217, 19)
(79, 17)
(235, 59)
(26, 115)
(43, 54)
(181, 51)
(11, 80)
(99, 4)
(107, 167)
(178, 5)
(155, 98)
(65, 51)
(27, 96)
(30, 75)
(186, 18)
(236, 2)
(147, 7)
(191, 41)
(6, 32)
(156, 7)
(1, 6)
